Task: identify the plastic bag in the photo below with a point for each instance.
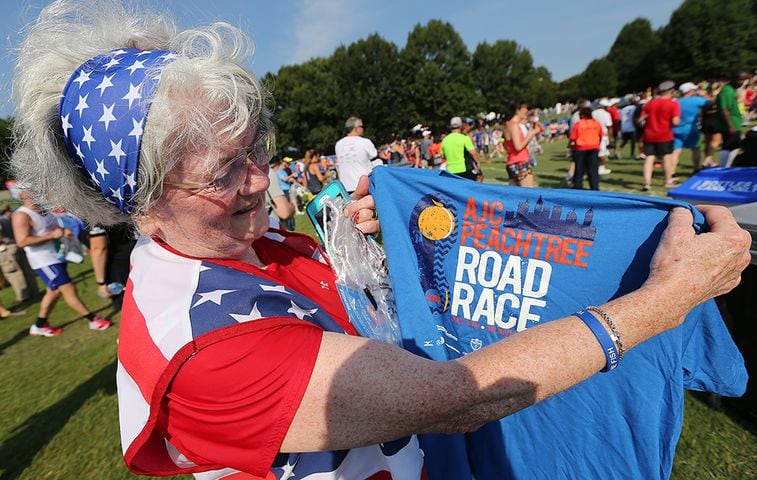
(362, 278)
(71, 250)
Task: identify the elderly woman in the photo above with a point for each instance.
(236, 357)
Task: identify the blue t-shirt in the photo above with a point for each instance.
(690, 108)
(472, 263)
(285, 186)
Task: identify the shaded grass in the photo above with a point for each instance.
(59, 413)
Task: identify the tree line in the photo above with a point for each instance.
(435, 77)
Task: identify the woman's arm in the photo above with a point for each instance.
(514, 130)
(321, 177)
(364, 392)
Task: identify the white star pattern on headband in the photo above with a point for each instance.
(64, 124)
(135, 66)
(107, 116)
(136, 130)
(78, 151)
(130, 181)
(82, 78)
(106, 82)
(108, 96)
(112, 63)
(116, 151)
(82, 104)
(101, 169)
(133, 93)
(116, 193)
(88, 137)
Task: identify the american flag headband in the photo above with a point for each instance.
(103, 110)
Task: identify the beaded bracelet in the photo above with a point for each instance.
(615, 333)
(604, 339)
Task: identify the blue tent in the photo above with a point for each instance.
(727, 186)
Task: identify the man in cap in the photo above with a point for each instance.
(603, 116)
(686, 134)
(354, 154)
(455, 147)
(659, 116)
(425, 145)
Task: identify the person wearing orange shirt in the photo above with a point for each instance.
(585, 139)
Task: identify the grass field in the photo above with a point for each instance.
(59, 416)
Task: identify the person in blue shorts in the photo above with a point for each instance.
(686, 134)
(36, 232)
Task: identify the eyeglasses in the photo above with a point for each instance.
(233, 174)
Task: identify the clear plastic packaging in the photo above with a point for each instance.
(71, 250)
(362, 277)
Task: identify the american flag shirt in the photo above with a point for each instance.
(210, 301)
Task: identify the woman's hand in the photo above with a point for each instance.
(695, 268)
(362, 209)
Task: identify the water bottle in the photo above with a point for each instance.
(115, 288)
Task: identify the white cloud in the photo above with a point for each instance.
(321, 25)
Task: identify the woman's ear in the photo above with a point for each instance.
(147, 224)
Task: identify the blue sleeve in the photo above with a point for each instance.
(711, 361)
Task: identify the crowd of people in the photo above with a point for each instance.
(655, 125)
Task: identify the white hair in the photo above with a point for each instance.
(205, 97)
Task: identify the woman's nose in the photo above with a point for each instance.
(255, 180)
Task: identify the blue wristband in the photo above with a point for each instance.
(599, 331)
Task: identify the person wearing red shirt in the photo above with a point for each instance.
(585, 138)
(659, 116)
(615, 115)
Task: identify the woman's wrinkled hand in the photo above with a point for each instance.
(362, 209)
(695, 268)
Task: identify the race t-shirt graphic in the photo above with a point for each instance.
(489, 268)
(472, 264)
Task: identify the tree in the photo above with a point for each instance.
(437, 81)
(504, 71)
(6, 142)
(305, 106)
(708, 38)
(634, 55)
(599, 79)
(569, 90)
(544, 90)
(366, 74)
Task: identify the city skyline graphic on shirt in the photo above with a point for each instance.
(545, 220)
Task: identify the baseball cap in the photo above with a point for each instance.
(455, 122)
(426, 132)
(469, 120)
(604, 103)
(687, 87)
(666, 85)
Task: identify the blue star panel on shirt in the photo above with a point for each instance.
(214, 307)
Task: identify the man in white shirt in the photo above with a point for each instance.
(628, 127)
(605, 119)
(354, 154)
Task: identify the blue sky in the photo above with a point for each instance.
(562, 35)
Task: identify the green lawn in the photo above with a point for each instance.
(59, 418)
